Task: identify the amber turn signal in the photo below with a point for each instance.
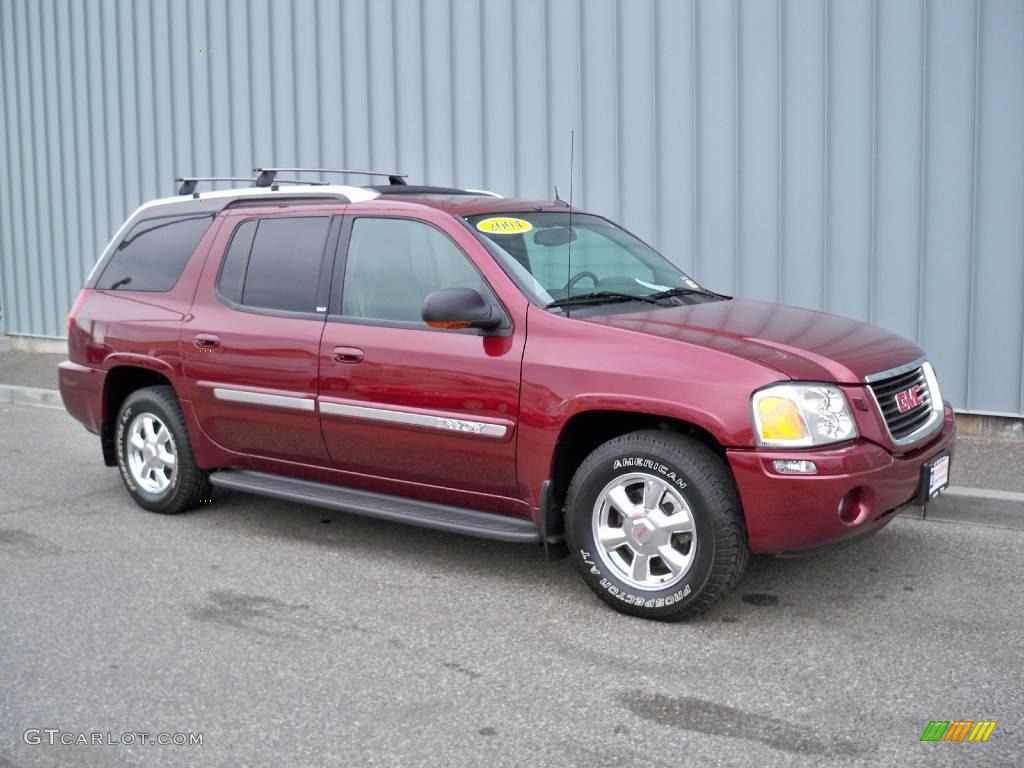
(448, 324)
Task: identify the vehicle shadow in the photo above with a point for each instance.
(360, 535)
(853, 579)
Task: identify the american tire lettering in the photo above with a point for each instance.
(640, 462)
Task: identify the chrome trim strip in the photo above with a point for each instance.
(907, 368)
(462, 426)
(261, 398)
(934, 422)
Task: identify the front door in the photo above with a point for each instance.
(252, 343)
(417, 408)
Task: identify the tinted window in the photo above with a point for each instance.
(154, 254)
(232, 271)
(284, 267)
(393, 264)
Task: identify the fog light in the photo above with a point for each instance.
(856, 506)
(795, 466)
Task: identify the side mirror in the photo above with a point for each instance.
(459, 308)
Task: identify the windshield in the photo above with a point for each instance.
(556, 264)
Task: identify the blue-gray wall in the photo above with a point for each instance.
(862, 157)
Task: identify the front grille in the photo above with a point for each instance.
(903, 424)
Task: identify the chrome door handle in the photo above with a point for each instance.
(347, 355)
(206, 341)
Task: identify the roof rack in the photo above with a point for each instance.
(407, 189)
(188, 183)
(266, 176)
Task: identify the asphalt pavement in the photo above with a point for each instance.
(290, 636)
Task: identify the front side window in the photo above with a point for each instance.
(393, 264)
(553, 257)
(282, 271)
(154, 254)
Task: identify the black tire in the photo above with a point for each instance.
(704, 482)
(188, 483)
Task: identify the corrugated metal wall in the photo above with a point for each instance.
(865, 157)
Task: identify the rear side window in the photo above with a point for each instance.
(232, 271)
(283, 270)
(154, 254)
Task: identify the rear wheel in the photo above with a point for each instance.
(154, 454)
(654, 524)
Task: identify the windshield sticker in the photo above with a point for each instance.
(652, 286)
(504, 225)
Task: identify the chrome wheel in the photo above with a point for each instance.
(644, 531)
(151, 453)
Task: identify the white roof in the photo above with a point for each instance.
(355, 194)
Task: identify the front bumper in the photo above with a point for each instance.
(792, 512)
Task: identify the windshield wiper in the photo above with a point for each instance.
(598, 297)
(668, 294)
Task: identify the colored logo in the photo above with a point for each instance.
(909, 398)
(958, 730)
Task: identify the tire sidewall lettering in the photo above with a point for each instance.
(634, 463)
(122, 425)
(680, 591)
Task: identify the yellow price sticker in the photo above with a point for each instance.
(504, 225)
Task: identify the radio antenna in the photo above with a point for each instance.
(568, 257)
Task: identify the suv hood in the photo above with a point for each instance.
(801, 343)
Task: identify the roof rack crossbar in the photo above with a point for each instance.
(188, 183)
(265, 176)
(302, 181)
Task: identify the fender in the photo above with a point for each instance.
(135, 360)
(650, 406)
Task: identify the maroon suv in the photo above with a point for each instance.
(512, 369)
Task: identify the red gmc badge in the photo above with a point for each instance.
(909, 398)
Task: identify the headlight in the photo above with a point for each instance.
(795, 415)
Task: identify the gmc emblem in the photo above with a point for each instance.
(909, 398)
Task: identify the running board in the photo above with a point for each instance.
(412, 511)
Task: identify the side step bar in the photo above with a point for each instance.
(414, 512)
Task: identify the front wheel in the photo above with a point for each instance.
(654, 524)
(154, 453)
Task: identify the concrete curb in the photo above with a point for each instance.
(37, 396)
(976, 506)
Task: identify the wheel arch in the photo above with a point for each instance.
(584, 431)
(121, 380)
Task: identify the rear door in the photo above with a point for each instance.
(418, 409)
(252, 343)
